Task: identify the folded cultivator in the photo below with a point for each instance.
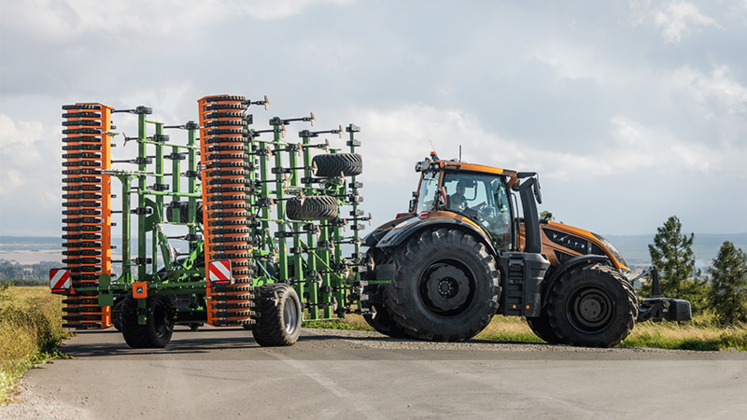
(267, 223)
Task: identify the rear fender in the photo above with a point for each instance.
(374, 237)
(569, 265)
(396, 236)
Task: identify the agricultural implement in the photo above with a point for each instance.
(269, 227)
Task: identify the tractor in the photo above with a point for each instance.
(466, 251)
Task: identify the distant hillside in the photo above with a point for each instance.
(706, 245)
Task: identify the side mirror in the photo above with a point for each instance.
(537, 190)
(411, 209)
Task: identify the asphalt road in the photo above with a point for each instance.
(221, 374)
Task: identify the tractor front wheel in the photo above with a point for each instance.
(592, 306)
(541, 327)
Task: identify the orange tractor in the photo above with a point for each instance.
(467, 250)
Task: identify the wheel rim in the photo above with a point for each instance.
(590, 309)
(290, 317)
(447, 287)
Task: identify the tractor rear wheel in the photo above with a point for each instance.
(592, 306)
(280, 316)
(158, 327)
(379, 319)
(446, 286)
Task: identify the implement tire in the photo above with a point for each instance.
(317, 207)
(280, 316)
(158, 328)
(333, 164)
(446, 286)
(592, 306)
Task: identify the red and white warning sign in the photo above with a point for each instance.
(219, 272)
(59, 280)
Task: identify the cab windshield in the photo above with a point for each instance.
(484, 199)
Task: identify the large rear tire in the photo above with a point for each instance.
(280, 316)
(379, 318)
(158, 328)
(592, 306)
(446, 286)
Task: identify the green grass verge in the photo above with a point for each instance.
(336, 324)
(30, 331)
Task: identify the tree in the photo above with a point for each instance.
(728, 292)
(673, 256)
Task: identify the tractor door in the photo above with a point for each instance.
(483, 198)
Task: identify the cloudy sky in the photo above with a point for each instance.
(631, 111)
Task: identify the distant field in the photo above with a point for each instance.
(31, 257)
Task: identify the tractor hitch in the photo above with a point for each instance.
(658, 307)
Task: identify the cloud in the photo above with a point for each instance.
(677, 20)
(404, 136)
(30, 165)
(71, 17)
(718, 97)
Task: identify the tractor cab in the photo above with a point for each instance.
(481, 197)
(478, 193)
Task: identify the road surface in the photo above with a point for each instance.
(224, 374)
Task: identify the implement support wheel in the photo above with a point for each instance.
(159, 325)
(280, 316)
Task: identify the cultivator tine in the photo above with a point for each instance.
(265, 102)
(324, 146)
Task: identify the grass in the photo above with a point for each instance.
(700, 335)
(30, 331)
(350, 322)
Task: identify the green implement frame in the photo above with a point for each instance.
(292, 198)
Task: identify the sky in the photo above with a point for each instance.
(630, 111)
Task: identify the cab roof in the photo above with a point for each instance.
(450, 165)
